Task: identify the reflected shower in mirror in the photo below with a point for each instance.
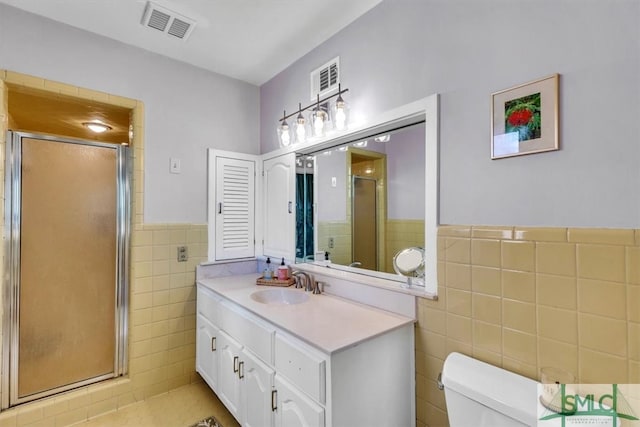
(367, 201)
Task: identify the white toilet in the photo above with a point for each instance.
(479, 394)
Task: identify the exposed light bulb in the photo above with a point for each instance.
(286, 139)
(341, 116)
(284, 134)
(301, 133)
(318, 124)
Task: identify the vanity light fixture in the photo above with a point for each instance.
(301, 131)
(284, 133)
(360, 144)
(382, 138)
(97, 126)
(319, 119)
(340, 111)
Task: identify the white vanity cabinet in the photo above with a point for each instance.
(207, 337)
(293, 408)
(269, 377)
(228, 389)
(206, 350)
(241, 380)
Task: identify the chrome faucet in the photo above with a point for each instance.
(307, 279)
(355, 264)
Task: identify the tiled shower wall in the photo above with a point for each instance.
(524, 298)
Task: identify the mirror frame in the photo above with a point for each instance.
(425, 109)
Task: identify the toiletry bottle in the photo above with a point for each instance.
(283, 271)
(268, 273)
(326, 257)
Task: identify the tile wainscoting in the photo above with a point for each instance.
(524, 298)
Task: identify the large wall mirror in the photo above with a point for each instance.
(370, 198)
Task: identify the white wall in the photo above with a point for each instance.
(187, 109)
(403, 50)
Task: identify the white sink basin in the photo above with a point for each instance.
(279, 296)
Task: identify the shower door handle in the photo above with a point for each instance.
(290, 207)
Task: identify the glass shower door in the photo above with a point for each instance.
(67, 264)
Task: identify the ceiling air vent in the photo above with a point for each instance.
(325, 79)
(167, 21)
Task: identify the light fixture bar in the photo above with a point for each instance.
(320, 101)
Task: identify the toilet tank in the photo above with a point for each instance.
(478, 394)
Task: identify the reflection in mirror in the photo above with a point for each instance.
(363, 202)
(304, 208)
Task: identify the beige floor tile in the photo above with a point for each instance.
(181, 407)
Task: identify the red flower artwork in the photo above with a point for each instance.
(520, 117)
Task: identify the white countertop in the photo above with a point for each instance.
(326, 322)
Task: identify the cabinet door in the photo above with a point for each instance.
(294, 409)
(206, 351)
(279, 206)
(256, 386)
(233, 207)
(228, 378)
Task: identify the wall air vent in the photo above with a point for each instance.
(325, 79)
(167, 21)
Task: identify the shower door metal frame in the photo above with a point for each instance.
(11, 285)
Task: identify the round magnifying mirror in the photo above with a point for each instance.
(409, 262)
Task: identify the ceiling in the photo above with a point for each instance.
(250, 40)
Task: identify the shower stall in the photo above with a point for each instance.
(67, 215)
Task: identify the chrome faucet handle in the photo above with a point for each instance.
(298, 280)
(311, 284)
(317, 289)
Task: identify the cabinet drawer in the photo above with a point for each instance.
(208, 305)
(251, 332)
(305, 370)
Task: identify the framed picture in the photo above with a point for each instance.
(524, 119)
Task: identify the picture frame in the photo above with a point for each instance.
(524, 118)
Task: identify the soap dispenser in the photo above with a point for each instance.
(268, 272)
(283, 271)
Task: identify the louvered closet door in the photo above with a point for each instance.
(235, 201)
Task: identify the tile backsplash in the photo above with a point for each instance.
(524, 298)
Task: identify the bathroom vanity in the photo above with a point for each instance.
(286, 357)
